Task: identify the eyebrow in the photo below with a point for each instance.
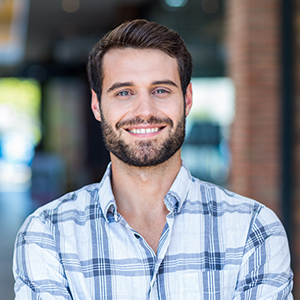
(168, 82)
(123, 84)
(118, 85)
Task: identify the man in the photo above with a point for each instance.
(149, 230)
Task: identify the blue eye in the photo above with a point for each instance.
(160, 91)
(123, 93)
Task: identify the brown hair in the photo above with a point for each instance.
(140, 34)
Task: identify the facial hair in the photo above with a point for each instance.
(143, 153)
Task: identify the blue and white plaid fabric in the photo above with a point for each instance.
(215, 245)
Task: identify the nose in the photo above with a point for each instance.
(144, 106)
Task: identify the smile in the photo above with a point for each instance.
(144, 130)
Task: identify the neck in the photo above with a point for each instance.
(139, 193)
(138, 189)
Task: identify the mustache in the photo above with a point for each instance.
(138, 120)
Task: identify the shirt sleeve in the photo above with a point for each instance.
(37, 268)
(265, 273)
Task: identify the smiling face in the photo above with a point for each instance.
(142, 107)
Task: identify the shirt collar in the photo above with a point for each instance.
(174, 199)
(179, 190)
(106, 198)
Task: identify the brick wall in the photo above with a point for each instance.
(254, 49)
(253, 36)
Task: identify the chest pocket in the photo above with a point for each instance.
(209, 285)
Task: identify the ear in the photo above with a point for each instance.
(188, 99)
(95, 105)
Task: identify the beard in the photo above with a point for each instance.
(144, 153)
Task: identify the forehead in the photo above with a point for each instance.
(139, 64)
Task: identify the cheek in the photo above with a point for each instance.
(113, 114)
(173, 106)
(176, 113)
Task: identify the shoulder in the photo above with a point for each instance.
(216, 197)
(73, 200)
(73, 205)
(233, 210)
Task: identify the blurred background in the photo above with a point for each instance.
(242, 133)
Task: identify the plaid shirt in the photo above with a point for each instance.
(215, 245)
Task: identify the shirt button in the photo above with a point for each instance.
(136, 236)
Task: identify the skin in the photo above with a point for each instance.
(140, 85)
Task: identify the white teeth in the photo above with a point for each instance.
(144, 130)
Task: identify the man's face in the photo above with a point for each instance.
(142, 107)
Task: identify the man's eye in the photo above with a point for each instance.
(161, 91)
(123, 93)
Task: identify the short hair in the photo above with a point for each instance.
(139, 34)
